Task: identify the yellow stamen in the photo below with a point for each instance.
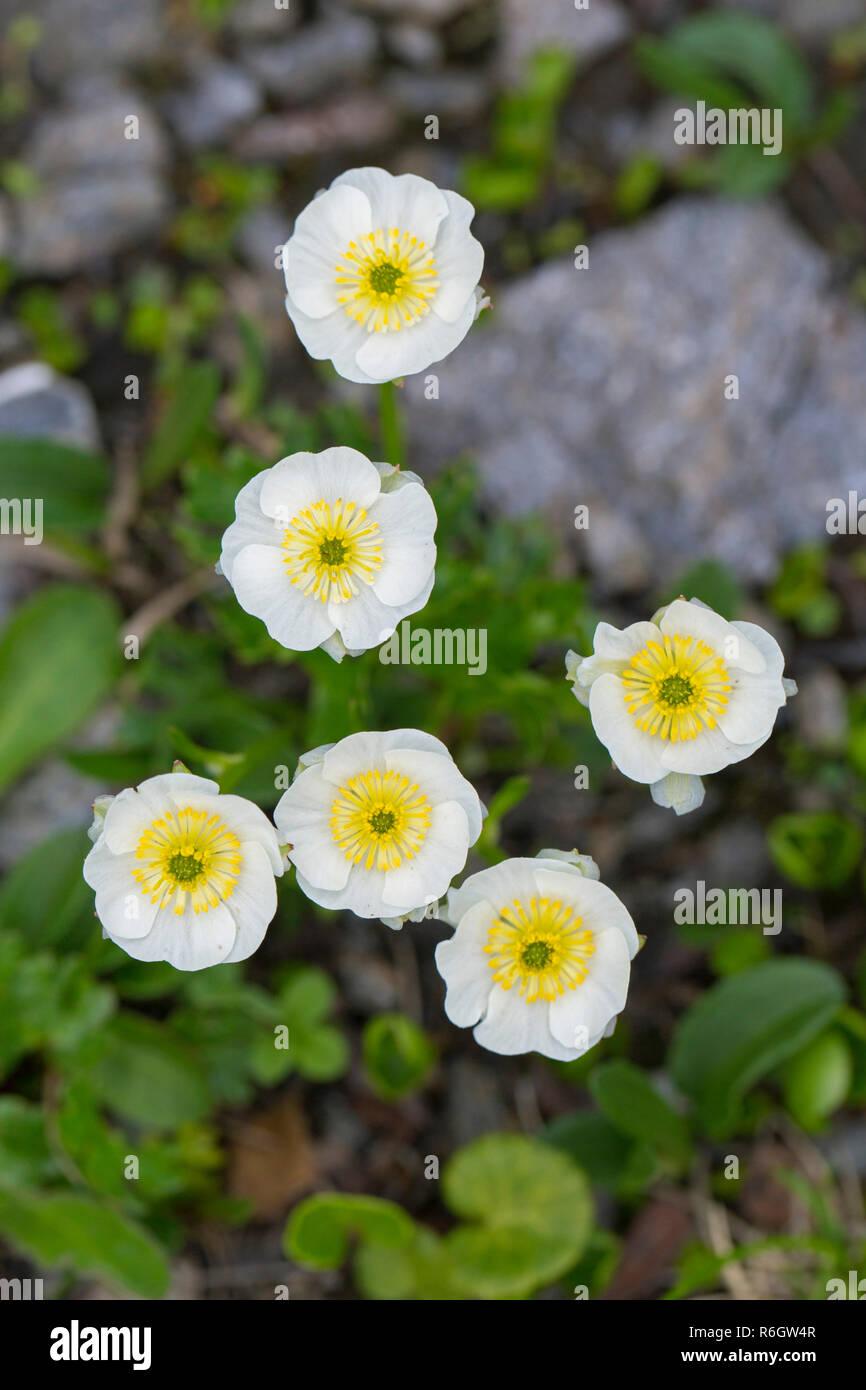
(387, 280)
(188, 855)
(542, 946)
(676, 688)
(379, 819)
(331, 550)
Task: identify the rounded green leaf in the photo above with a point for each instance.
(143, 1074)
(510, 1180)
(320, 1228)
(746, 1026)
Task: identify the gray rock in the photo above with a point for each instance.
(431, 12)
(94, 35)
(474, 1104)
(415, 45)
(261, 19)
(820, 711)
(262, 232)
(37, 402)
(100, 191)
(320, 58)
(454, 96)
(77, 221)
(220, 98)
(92, 131)
(608, 385)
(528, 25)
(353, 122)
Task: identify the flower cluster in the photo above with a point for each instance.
(333, 550)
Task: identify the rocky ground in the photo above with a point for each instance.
(604, 386)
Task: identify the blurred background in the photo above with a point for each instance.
(677, 342)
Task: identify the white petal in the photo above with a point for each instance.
(408, 202)
(465, 969)
(427, 876)
(633, 751)
(694, 620)
(136, 808)
(243, 818)
(407, 523)
(188, 942)
(121, 907)
(600, 998)
(459, 260)
(320, 238)
(512, 1026)
(336, 337)
(365, 621)
(753, 703)
(253, 901)
(303, 817)
(353, 755)
(440, 780)
(301, 480)
(250, 527)
(597, 905)
(387, 356)
(679, 791)
(263, 588)
(707, 753)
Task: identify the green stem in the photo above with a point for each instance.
(391, 425)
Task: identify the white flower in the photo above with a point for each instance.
(379, 823)
(540, 958)
(331, 550)
(184, 874)
(381, 274)
(681, 696)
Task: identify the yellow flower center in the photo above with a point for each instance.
(676, 688)
(542, 946)
(188, 853)
(379, 819)
(332, 550)
(386, 280)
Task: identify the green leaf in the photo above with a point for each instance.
(67, 1230)
(143, 1074)
(320, 1228)
(398, 1055)
(506, 1261)
(609, 1158)
(532, 1211)
(714, 583)
(186, 417)
(25, 1159)
(816, 1082)
(819, 850)
(59, 657)
(747, 1025)
(72, 483)
(722, 57)
(44, 895)
(631, 1103)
